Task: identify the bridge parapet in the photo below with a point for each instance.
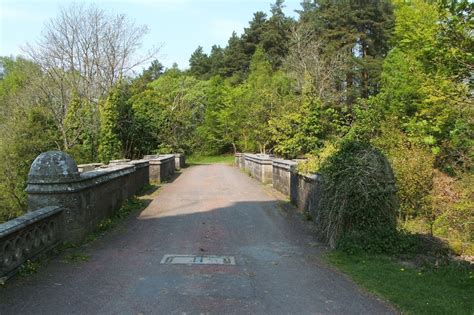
(88, 197)
(304, 190)
(67, 201)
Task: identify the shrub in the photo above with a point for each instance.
(413, 168)
(452, 210)
(314, 162)
(358, 198)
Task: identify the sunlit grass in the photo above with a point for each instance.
(428, 290)
(206, 159)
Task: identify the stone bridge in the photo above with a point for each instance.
(211, 240)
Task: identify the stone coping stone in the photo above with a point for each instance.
(150, 156)
(284, 164)
(259, 158)
(29, 218)
(178, 154)
(121, 161)
(140, 163)
(86, 180)
(162, 159)
(88, 167)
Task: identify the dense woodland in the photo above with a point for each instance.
(395, 74)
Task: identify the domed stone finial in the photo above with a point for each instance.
(53, 167)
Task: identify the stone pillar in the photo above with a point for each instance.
(239, 158)
(180, 161)
(50, 183)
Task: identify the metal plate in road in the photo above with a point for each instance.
(198, 260)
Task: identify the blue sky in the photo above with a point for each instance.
(178, 25)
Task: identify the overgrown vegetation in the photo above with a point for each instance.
(358, 202)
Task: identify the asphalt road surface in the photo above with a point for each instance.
(211, 210)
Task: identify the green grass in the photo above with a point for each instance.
(210, 159)
(444, 290)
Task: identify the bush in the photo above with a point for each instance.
(413, 168)
(358, 199)
(452, 210)
(314, 162)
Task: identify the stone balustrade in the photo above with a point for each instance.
(28, 236)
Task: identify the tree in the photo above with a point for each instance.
(360, 30)
(87, 51)
(26, 130)
(236, 62)
(148, 75)
(199, 64)
(276, 36)
(110, 146)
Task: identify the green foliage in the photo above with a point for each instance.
(78, 121)
(26, 130)
(110, 146)
(358, 198)
(314, 162)
(413, 168)
(28, 268)
(452, 218)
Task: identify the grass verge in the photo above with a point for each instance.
(428, 290)
(210, 159)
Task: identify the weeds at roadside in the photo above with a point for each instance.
(29, 267)
(76, 257)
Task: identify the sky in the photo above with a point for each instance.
(177, 26)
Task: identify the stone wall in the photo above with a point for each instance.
(283, 173)
(304, 191)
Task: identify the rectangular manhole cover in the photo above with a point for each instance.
(198, 260)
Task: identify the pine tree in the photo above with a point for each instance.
(199, 64)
